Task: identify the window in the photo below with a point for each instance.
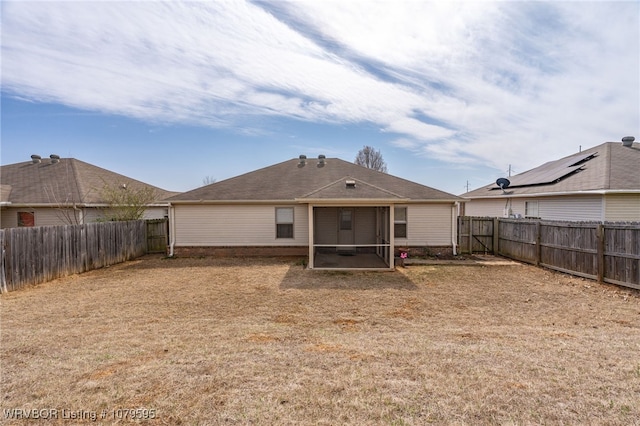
(284, 222)
(531, 209)
(26, 219)
(400, 222)
(346, 220)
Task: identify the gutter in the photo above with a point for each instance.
(454, 227)
(172, 225)
(554, 194)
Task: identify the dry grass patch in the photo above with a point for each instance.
(263, 341)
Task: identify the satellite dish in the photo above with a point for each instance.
(503, 183)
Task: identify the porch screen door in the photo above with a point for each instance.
(346, 230)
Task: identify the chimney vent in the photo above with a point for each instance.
(628, 141)
(36, 159)
(54, 158)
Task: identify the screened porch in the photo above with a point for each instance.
(351, 237)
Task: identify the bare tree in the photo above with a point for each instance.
(371, 159)
(127, 203)
(208, 180)
(65, 202)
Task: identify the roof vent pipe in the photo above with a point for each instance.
(54, 158)
(35, 158)
(628, 141)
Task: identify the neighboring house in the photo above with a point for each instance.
(339, 214)
(598, 184)
(63, 191)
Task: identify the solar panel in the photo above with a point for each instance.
(551, 172)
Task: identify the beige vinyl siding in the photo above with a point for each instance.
(326, 225)
(428, 225)
(365, 225)
(42, 216)
(236, 225)
(93, 214)
(622, 207)
(155, 213)
(491, 208)
(572, 208)
(495, 207)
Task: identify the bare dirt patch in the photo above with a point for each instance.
(264, 341)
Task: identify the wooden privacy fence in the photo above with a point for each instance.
(39, 254)
(608, 252)
(157, 235)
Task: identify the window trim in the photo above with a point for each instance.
(30, 223)
(277, 223)
(404, 222)
(343, 222)
(528, 207)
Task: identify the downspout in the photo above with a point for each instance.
(171, 230)
(454, 227)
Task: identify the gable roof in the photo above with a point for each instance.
(291, 181)
(609, 167)
(67, 181)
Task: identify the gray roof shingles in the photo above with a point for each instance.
(65, 182)
(614, 167)
(289, 181)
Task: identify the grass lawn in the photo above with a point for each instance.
(264, 341)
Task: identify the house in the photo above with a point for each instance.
(598, 184)
(63, 191)
(337, 213)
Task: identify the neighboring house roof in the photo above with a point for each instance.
(315, 180)
(609, 167)
(62, 182)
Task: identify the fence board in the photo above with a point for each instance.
(39, 254)
(607, 252)
(476, 235)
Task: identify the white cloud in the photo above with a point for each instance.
(489, 82)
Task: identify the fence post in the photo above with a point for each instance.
(3, 278)
(470, 235)
(538, 245)
(600, 249)
(496, 238)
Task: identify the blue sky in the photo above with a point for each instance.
(450, 92)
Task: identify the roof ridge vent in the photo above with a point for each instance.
(628, 141)
(35, 159)
(54, 158)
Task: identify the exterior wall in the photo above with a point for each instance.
(622, 207)
(45, 216)
(495, 207)
(573, 208)
(244, 251)
(156, 213)
(428, 225)
(326, 225)
(42, 216)
(93, 215)
(365, 225)
(567, 207)
(235, 225)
